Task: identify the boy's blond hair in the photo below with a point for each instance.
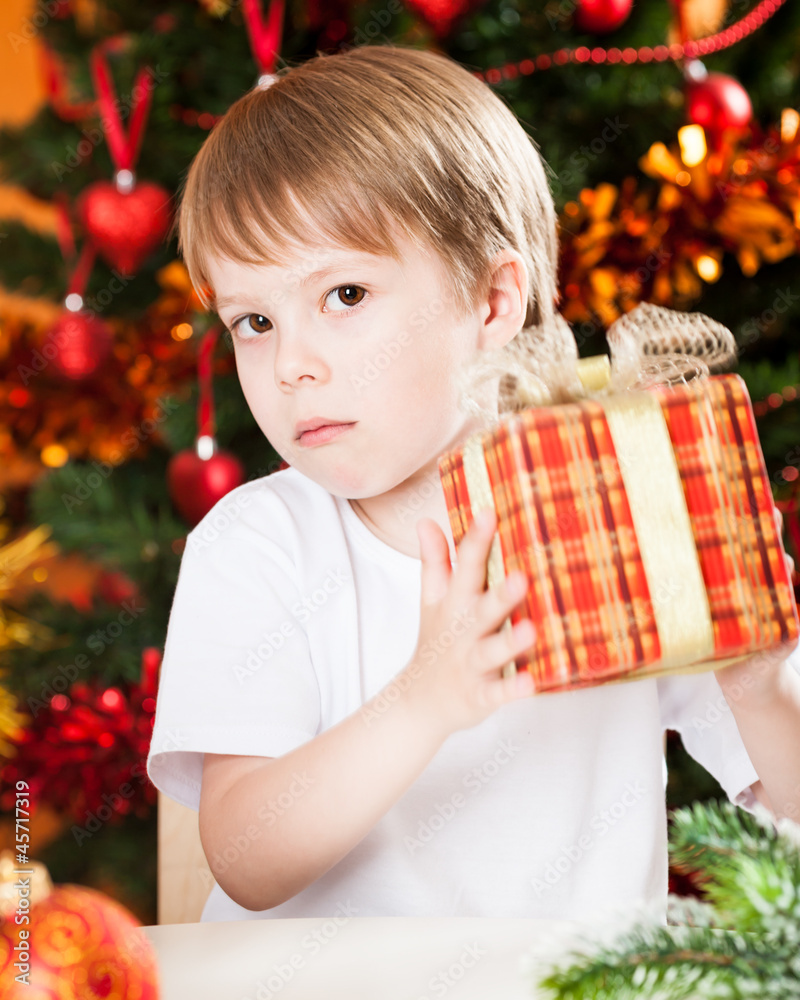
(363, 140)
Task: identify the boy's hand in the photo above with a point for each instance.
(456, 668)
(755, 678)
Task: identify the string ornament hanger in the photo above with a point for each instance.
(126, 219)
(264, 34)
(79, 341)
(199, 477)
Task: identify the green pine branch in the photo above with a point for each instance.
(677, 963)
(744, 942)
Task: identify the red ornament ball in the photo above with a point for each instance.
(77, 345)
(718, 102)
(116, 587)
(442, 15)
(125, 228)
(601, 16)
(77, 944)
(197, 484)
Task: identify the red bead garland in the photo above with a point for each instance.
(659, 53)
(596, 56)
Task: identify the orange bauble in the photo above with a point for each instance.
(77, 943)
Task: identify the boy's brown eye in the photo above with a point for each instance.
(356, 291)
(258, 324)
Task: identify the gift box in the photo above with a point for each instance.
(641, 513)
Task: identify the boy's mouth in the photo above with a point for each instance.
(314, 423)
(318, 431)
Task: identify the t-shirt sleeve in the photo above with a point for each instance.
(236, 675)
(694, 706)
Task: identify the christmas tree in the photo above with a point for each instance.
(674, 147)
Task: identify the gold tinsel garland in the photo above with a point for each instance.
(625, 245)
(15, 630)
(117, 413)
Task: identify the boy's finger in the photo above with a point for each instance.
(473, 553)
(435, 555)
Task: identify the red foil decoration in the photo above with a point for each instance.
(85, 749)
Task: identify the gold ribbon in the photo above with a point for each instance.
(480, 498)
(663, 527)
(540, 366)
(643, 354)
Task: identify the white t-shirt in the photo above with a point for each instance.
(289, 613)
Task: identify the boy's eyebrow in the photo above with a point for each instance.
(227, 300)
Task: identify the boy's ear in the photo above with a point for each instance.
(503, 311)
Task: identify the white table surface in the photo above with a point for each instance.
(358, 958)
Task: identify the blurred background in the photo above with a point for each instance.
(676, 181)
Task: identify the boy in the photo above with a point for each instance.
(331, 696)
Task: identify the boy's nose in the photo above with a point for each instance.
(297, 359)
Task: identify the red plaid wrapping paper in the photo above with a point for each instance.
(565, 520)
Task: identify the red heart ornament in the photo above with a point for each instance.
(197, 484)
(125, 228)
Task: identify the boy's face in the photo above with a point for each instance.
(373, 343)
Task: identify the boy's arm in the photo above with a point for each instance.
(764, 697)
(763, 693)
(291, 818)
